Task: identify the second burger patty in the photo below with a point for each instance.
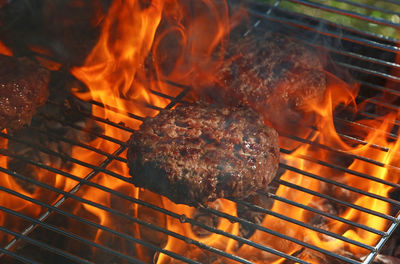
(272, 73)
(23, 88)
(198, 153)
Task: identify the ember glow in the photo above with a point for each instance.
(142, 45)
(5, 50)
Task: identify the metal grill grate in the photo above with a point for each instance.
(370, 58)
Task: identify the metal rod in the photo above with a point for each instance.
(81, 239)
(76, 143)
(330, 198)
(99, 135)
(346, 13)
(170, 233)
(369, 71)
(318, 30)
(63, 198)
(45, 246)
(17, 256)
(338, 218)
(115, 110)
(379, 88)
(108, 209)
(346, 170)
(280, 235)
(300, 223)
(351, 54)
(344, 186)
(381, 243)
(66, 157)
(370, 7)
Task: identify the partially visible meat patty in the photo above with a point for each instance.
(198, 153)
(23, 88)
(273, 74)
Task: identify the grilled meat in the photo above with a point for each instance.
(273, 74)
(23, 88)
(198, 153)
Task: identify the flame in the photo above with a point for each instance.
(5, 50)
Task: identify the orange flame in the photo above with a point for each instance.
(5, 50)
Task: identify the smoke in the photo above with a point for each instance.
(63, 30)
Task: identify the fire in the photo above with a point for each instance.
(5, 50)
(144, 44)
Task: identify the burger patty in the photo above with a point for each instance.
(198, 153)
(271, 73)
(23, 88)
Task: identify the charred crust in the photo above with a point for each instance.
(23, 88)
(192, 156)
(272, 74)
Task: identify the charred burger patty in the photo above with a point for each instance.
(198, 153)
(23, 88)
(271, 73)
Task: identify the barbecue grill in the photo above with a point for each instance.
(369, 58)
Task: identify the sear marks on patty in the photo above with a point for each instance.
(198, 153)
(271, 73)
(23, 88)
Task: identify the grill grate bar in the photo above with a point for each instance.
(79, 144)
(16, 256)
(318, 30)
(305, 141)
(62, 232)
(379, 88)
(102, 136)
(128, 217)
(358, 141)
(166, 96)
(344, 169)
(352, 123)
(369, 71)
(134, 200)
(354, 55)
(68, 158)
(302, 224)
(272, 232)
(344, 186)
(339, 151)
(170, 233)
(341, 28)
(67, 234)
(370, 7)
(99, 119)
(108, 122)
(357, 207)
(347, 154)
(61, 200)
(113, 109)
(372, 115)
(45, 246)
(346, 13)
(382, 241)
(335, 217)
(382, 104)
